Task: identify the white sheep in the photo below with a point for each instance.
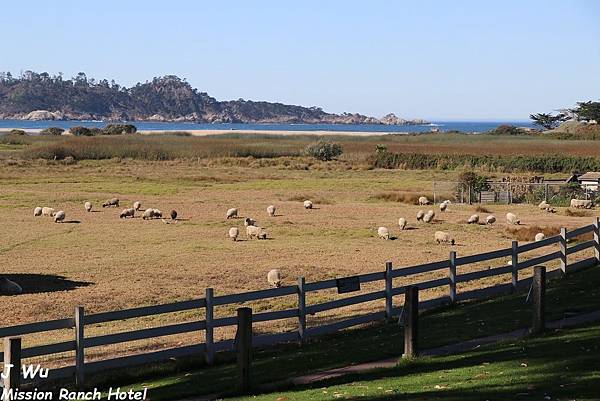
(111, 202)
(234, 232)
(157, 214)
(511, 218)
(402, 223)
(423, 200)
(127, 213)
(491, 219)
(37, 211)
(443, 206)
(441, 236)
(249, 221)
(308, 204)
(48, 211)
(9, 287)
(383, 233)
(474, 219)
(539, 237)
(543, 205)
(581, 203)
(271, 210)
(420, 215)
(255, 232)
(88, 206)
(148, 214)
(275, 278)
(137, 206)
(428, 218)
(59, 216)
(232, 213)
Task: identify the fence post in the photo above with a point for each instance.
(209, 315)
(388, 291)
(515, 265)
(563, 250)
(79, 347)
(301, 309)
(411, 321)
(244, 346)
(12, 358)
(597, 239)
(452, 276)
(539, 300)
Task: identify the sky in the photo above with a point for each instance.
(438, 60)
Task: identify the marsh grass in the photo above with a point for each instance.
(411, 198)
(527, 233)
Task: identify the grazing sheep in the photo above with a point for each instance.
(9, 287)
(234, 232)
(581, 203)
(127, 213)
(37, 211)
(232, 213)
(59, 216)
(271, 210)
(402, 223)
(157, 214)
(308, 204)
(543, 205)
(88, 206)
(428, 218)
(275, 278)
(173, 214)
(511, 218)
(249, 221)
(441, 236)
(423, 200)
(539, 237)
(491, 219)
(114, 202)
(383, 233)
(443, 206)
(420, 215)
(137, 206)
(47, 211)
(148, 214)
(474, 219)
(258, 232)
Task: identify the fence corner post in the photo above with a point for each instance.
(388, 291)
(244, 347)
(539, 300)
(563, 250)
(209, 337)
(515, 265)
(597, 239)
(411, 322)
(301, 309)
(452, 277)
(12, 358)
(79, 347)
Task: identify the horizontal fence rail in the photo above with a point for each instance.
(205, 322)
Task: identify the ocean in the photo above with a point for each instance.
(465, 126)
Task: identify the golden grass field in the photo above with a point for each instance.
(113, 263)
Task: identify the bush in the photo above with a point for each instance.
(507, 130)
(53, 131)
(323, 150)
(119, 129)
(80, 131)
(17, 132)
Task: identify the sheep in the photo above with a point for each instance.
(113, 202)
(543, 205)
(59, 216)
(441, 236)
(88, 206)
(234, 232)
(539, 237)
(258, 232)
(271, 211)
(249, 221)
(581, 203)
(443, 206)
(308, 204)
(511, 218)
(474, 219)
(157, 214)
(137, 206)
(428, 218)
(148, 214)
(173, 215)
(275, 278)
(383, 233)
(9, 287)
(420, 215)
(232, 213)
(402, 223)
(423, 200)
(127, 213)
(37, 211)
(47, 211)
(491, 219)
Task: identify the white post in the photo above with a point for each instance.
(563, 250)
(452, 276)
(209, 316)
(597, 239)
(515, 265)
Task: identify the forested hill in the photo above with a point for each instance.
(169, 98)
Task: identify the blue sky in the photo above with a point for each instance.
(440, 60)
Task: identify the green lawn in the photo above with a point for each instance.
(578, 293)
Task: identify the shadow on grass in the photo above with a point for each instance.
(39, 283)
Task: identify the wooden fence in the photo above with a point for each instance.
(80, 342)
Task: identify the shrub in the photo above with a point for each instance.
(528, 233)
(54, 131)
(17, 132)
(119, 129)
(79, 130)
(507, 130)
(323, 150)
(482, 209)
